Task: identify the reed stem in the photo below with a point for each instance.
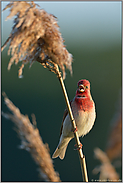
(81, 156)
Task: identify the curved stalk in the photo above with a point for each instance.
(81, 156)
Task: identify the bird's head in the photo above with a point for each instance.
(83, 89)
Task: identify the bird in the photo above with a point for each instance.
(83, 109)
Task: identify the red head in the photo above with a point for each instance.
(83, 96)
(83, 88)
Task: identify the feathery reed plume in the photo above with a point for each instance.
(113, 148)
(35, 36)
(114, 143)
(32, 142)
(107, 171)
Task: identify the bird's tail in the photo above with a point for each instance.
(59, 152)
(61, 148)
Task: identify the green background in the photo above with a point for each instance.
(93, 36)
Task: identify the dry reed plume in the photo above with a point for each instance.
(113, 149)
(106, 169)
(32, 142)
(35, 36)
(114, 143)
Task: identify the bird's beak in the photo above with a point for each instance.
(81, 88)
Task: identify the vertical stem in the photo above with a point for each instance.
(81, 156)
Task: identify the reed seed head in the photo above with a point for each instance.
(35, 36)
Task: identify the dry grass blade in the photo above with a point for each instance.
(32, 142)
(35, 35)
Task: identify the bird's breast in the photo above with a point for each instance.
(84, 103)
(84, 115)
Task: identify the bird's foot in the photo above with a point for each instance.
(74, 130)
(79, 146)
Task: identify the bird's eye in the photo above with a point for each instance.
(87, 87)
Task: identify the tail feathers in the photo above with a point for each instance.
(60, 152)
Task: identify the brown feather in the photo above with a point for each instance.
(64, 116)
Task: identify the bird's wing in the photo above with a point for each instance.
(64, 116)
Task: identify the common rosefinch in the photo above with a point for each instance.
(83, 109)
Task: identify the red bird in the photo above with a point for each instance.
(83, 109)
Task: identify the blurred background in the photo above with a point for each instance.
(92, 33)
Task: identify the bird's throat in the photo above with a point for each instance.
(84, 103)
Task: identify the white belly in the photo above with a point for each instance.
(84, 122)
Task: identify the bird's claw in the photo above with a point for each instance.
(75, 130)
(79, 146)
